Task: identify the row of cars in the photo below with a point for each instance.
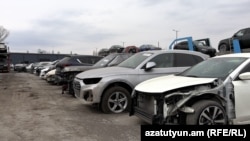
(200, 45)
(110, 81)
(161, 88)
(213, 91)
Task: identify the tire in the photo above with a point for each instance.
(207, 112)
(223, 48)
(115, 100)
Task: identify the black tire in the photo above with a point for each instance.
(223, 48)
(207, 112)
(115, 100)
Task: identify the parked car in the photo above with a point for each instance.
(116, 49)
(50, 76)
(146, 47)
(3, 48)
(46, 68)
(75, 60)
(103, 52)
(198, 46)
(40, 66)
(111, 87)
(243, 35)
(131, 49)
(4, 67)
(20, 67)
(215, 91)
(69, 73)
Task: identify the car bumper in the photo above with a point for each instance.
(87, 94)
(50, 78)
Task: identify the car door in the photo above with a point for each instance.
(240, 35)
(169, 63)
(242, 97)
(164, 65)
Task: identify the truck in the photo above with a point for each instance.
(4, 58)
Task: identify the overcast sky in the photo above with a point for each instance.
(83, 26)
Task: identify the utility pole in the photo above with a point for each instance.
(123, 44)
(176, 35)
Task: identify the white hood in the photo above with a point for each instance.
(170, 82)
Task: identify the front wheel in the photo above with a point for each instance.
(207, 112)
(115, 100)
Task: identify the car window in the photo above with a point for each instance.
(183, 43)
(88, 59)
(240, 33)
(185, 60)
(103, 62)
(135, 60)
(214, 67)
(163, 60)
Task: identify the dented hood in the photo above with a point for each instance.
(170, 82)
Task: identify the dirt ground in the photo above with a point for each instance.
(33, 110)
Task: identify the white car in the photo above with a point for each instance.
(50, 76)
(215, 91)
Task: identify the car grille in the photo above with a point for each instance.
(144, 106)
(77, 85)
(146, 102)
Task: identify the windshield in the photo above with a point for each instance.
(135, 60)
(104, 61)
(214, 68)
(198, 43)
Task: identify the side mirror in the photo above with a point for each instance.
(245, 76)
(150, 65)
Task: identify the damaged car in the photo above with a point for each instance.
(213, 92)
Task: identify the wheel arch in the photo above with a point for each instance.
(114, 84)
(207, 96)
(118, 83)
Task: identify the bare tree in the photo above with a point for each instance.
(3, 33)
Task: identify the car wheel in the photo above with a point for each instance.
(223, 48)
(115, 100)
(207, 112)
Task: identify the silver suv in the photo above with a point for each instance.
(111, 87)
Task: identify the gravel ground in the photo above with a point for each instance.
(33, 110)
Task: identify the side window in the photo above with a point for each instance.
(240, 33)
(248, 31)
(186, 60)
(82, 59)
(163, 60)
(88, 59)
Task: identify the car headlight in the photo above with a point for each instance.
(89, 81)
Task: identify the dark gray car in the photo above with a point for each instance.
(242, 35)
(68, 73)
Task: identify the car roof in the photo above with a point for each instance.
(174, 51)
(247, 55)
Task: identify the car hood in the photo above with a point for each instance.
(170, 82)
(104, 72)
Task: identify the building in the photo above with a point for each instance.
(27, 58)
